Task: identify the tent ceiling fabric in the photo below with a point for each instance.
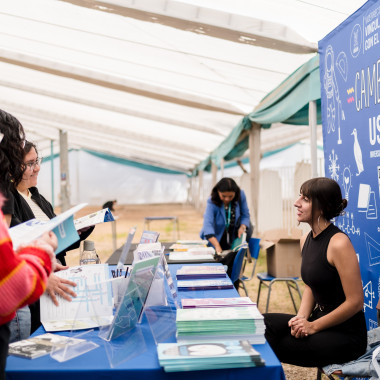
(157, 82)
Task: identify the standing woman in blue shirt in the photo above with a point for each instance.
(226, 216)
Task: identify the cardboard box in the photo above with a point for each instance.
(283, 252)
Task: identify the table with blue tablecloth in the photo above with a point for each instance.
(96, 364)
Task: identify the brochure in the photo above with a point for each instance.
(101, 216)
(41, 345)
(149, 237)
(92, 307)
(132, 304)
(62, 225)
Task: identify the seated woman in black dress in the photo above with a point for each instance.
(329, 326)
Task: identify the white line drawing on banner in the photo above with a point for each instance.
(347, 182)
(356, 40)
(334, 167)
(342, 65)
(347, 224)
(369, 295)
(373, 250)
(372, 324)
(378, 178)
(367, 201)
(334, 110)
(357, 152)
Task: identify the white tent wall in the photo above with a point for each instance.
(95, 180)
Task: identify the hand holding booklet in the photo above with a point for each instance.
(101, 216)
(62, 225)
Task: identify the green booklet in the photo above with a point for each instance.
(238, 242)
(207, 355)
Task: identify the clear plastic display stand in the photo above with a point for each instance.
(93, 308)
(161, 305)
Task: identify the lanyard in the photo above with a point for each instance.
(228, 218)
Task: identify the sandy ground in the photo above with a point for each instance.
(190, 223)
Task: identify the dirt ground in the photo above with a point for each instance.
(190, 223)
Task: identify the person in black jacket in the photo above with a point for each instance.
(30, 204)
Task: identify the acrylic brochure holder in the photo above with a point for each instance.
(94, 309)
(122, 340)
(161, 304)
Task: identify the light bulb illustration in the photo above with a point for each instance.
(346, 182)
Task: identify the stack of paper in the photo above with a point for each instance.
(193, 253)
(220, 324)
(222, 283)
(200, 271)
(211, 355)
(188, 303)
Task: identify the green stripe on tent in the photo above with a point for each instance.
(288, 103)
(135, 164)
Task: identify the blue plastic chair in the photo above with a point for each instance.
(238, 263)
(268, 280)
(254, 249)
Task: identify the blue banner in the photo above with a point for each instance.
(350, 105)
(350, 102)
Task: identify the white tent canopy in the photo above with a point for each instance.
(161, 82)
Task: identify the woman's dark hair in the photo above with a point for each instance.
(29, 146)
(11, 152)
(224, 185)
(325, 195)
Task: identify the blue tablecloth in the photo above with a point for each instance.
(96, 363)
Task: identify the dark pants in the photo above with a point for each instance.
(4, 341)
(335, 345)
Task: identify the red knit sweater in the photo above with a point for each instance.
(23, 274)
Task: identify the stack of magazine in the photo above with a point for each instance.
(209, 284)
(220, 324)
(206, 356)
(192, 272)
(189, 303)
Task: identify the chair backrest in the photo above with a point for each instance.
(254, 247)
(238, 262)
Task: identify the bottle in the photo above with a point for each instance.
(89, 255)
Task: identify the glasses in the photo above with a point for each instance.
(32, 164)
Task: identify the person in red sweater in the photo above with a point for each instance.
(23, 274)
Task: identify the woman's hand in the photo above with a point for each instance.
(57, 286)
(300, 327)
(241, 230)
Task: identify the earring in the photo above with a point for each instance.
(319, 217)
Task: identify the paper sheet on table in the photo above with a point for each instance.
(91, 308)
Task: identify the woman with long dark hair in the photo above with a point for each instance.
(226, 216)
(23, 275)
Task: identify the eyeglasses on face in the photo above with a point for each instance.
(32, 164)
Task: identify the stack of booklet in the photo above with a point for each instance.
(189, 303)
(211, 355)
(220, 324)
(193, 272)
(192, 253)
(213, 284)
